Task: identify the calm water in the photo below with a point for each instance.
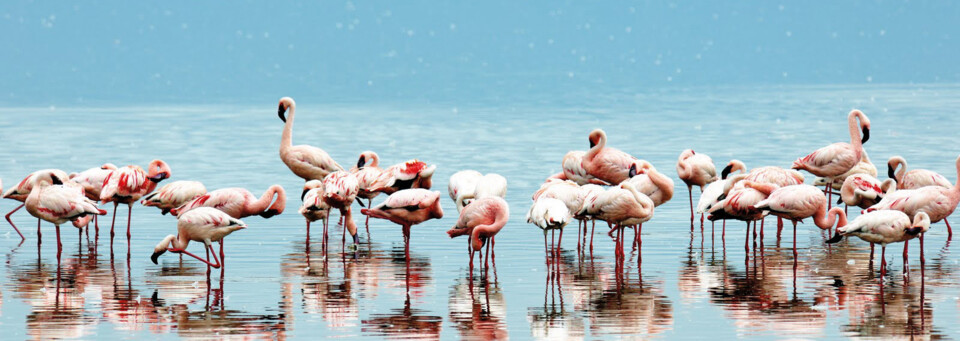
(687, 285)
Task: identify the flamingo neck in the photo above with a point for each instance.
(592, 153)
(663, 183)
(854, 130)
(261, 204)
(900, 165)
(825, 220)
(287, 139)
(489, 230)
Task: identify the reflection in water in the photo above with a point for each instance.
(478, 310)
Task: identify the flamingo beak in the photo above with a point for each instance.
(281, 111)
(361, 162)
(837, 237)
(159, 177)
(913, 231)
(268, 213)
(304, 193)
(866, 135)
(726, 171)
(890, 173)
(156, 255)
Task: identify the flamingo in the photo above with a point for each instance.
(339, 191)
(737, 203)
(313, 207)
(173, 195)
(92, 181)
(566, 192)
(307, 162)
(588, 194)
(408, 207)
(862, 167)
(884, 227)
(21, 191)
(863, 190)
(938, 202)
(606, 163)
(695, 170)
(647, 180)
(203, 224)
(56, 203)
(549, 214)
(410, 174)
(463, 184)
(481, 220)
(239, 202)
(838, 158)
(572, 169)
(128, 184)
(915, 178)
(621, 206)
(709, 196)
(367, 171)
(797, 202)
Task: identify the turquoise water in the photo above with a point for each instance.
(689, 284)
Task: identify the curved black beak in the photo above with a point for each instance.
(56, 180)
(269, 213)
(361, 162)
(836, 238)
(159, 177)
(726, 171)
(156, 255)
(280, 111)
(304, 193)
(890, 173)
(913, 231)
(840, 201)
(866, 135)
(360, 202)
(633, 171)
(592, 143)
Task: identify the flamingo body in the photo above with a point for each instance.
(239, 202)
(173, 195)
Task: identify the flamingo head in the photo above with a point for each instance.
(278, 205)
(368, 158)
(46, 178)
(864, 124)
(285, 104)
(686, 153)
(158, 171)
(596, 136)
(921, 224)
(312, 184)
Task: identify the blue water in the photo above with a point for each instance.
(501, 87)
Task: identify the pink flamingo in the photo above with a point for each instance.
(648, 181)
(572, 169)
(463, 184)
(92, 181)
(367, 171)
(313, 207)
(481, 220)
(203, 224)
(410, 174)
(915, 178)
(339, 191)
(545, 215)
(695, 170)
(549, 214)
(50, 200)
(307, 162)
(173, 195)
(620, 206)
(21, 191)
(884, 227)
(798, 202)
(606, 163)
(738, 203)
(863, 190)
(711, 194)
(838, 158)
(938, 202)
(128, 184)
(406, 208)
(239, 202)
(862, 167)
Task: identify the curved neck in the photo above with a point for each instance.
(899, 165)
(287, 139)
(601, 142)
(261, 204)
(645, 202)
(956, 186)
(825, 220)
(663, 183)
(683, 169)
(374, 160)
(854, 129)
(498, 222)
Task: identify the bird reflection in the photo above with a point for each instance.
(478, 310)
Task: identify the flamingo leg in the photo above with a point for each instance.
(559, 241)
(406, 241)
(470, 251)
(223, 260)
(184, 251)
(367, 223)
(113, 222)
(883, 263)
(922, 261)
(723, 234)
(826, 189)
(579, 231)
(486, 261)
(690, 191)
(11, 221)
(746, 239)
(593, 227)
(59, 245)
(949, 229)
(129, 213)
(794, 241)
(308, 234)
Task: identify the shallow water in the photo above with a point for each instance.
(276, 286)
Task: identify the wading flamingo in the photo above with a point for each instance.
(566, 192)
(549, 214)
(21, 191)
(648, 181)
(410, 174)
(862, 167)
(885, 227)
(406, 208)
(367, 171)
(737, 203)
(938, 202)
(313, 207)
(913, 179)
(572, 169)
(862, 190)
(606, 163)
(798, 202)
(307, 162)
(481, 221)
(128, 184)
(621, 206)
(838, 158)
(695, 170)
(50, 200)
(339, 191)
(92, 181)
(173, 195)
(239, 202)
(203, 224)
(711, 194)
(463, 184)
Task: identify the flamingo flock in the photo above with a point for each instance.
(602, 183)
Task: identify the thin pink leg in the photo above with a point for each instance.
(129, 213)
(690, 191)
(113, 222)
(59, 245)
(11, 221)
(949, 229)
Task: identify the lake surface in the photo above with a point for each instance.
(277, 284)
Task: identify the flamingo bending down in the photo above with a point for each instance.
(621, 206)
(203, 224)
(339, 191)
(481, 220)
(938, 202)
(307, 162)
(463, 184)
(572, 169)
(606, 163)
(128, 184)
(884, 227)
(863, 190)
(408, 207)
(21, 191)
(410, 174)
(737, 203)
(915, 178)
(549, 214)
(838, 158)
(173, 195)
(711, 194)
(797, 202)
(50, 200)
(565, 191)
(92, 182)
(313, 207)
(695, 170)
(648, 181)
(367, 171)
(239, 202)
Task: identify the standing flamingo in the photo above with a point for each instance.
(915, 178)
(239, 202)
(567, 193)
(572, 169)
(481, 220)
(862, 167)
(367, 171)
(884, 227)
(711, 194)
(313, 207)
(938, 202)
(862, 190)
(463, 184)
(307, 162)
(695, 170)
(50, 200)
(737, 203)
(797, 202)
(410, 174)
(128, 184)
(173, 195)
(92, 181)
(648, 181)
(408, 207)
(838, 158)
(21, 191)
(205, 225)
(549, 214)
(606, 163)
(339, 191)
